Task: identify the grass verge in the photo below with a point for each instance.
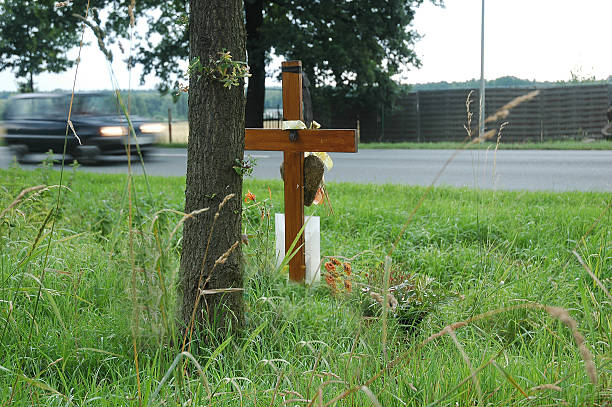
(548, 145)
(466, 253)
(545, 145)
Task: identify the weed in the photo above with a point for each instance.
(46, 167)
(244, 167)
(223, 69)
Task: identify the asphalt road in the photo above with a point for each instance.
(504, 170)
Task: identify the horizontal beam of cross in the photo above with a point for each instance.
(307, 140)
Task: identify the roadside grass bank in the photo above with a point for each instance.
(545, 145)
(67, 314)
(549, 145)
(180, 132)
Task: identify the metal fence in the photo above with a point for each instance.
(567, 112)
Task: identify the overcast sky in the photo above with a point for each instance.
(544, 40)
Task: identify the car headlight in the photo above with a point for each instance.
(151, 128)
(113, 131)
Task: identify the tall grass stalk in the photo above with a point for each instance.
(503, 112)
(555, 312)
(385, 305)
(593, 276)
(466, 359)
(201, 282)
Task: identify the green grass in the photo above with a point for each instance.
(482, 250)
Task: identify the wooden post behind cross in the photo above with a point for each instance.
(293, 157)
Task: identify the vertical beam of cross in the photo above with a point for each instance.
(294, 172)
(293, 144)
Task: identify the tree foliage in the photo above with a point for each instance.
(349, 44)
(164, 50)
(349, 49)
(36, 35)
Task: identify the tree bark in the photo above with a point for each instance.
(256, 49)
(216, 141)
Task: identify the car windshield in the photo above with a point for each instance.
(95, 105)
(56, 106)
(37, 108)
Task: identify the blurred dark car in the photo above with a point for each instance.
(36, 123)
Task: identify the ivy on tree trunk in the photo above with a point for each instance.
(216, 140)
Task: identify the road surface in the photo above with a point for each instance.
(504, 170)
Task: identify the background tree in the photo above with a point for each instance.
(356, 46)
(216, 141)
(164, 50)
(36, 35)
(349, 49)
(257, 46)
(350, 44)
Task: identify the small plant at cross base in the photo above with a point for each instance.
(411, 297)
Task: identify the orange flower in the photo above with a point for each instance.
(347, 285)
(347, 269)
(336, 261)
(249, 197)
(329, 266)
(331, 282)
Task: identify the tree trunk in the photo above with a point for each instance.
(256, 49)
(216, 141)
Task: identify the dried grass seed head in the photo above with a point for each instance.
(227, 198)
(223, 258)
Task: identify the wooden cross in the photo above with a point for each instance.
(293, 157)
